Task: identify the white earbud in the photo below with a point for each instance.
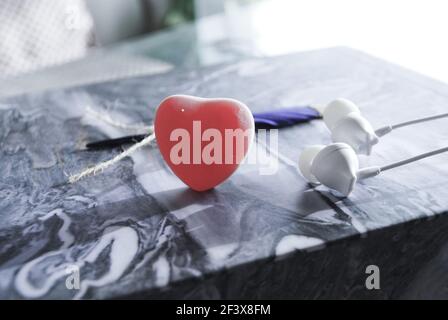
(346, 124)
(336, 166)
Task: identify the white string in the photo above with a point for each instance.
(107, 119)
(100, 167)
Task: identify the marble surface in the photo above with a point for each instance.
(136, 231)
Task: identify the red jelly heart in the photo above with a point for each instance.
(203, 140)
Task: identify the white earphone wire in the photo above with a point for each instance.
(408, 123)
(413, 159)
(386, 129)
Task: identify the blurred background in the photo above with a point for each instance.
(46, 44)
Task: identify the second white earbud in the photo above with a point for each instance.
(346, 124)
(335, 166)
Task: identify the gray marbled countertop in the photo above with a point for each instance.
(136, 230)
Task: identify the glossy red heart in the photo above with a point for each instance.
(203, 140)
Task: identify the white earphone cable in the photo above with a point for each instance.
(413, 159)
(386, 129)
(407, 123)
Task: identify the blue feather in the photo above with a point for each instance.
(285, 117)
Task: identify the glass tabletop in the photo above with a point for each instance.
(231, 30)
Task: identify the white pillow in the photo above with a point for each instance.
(35, 34)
